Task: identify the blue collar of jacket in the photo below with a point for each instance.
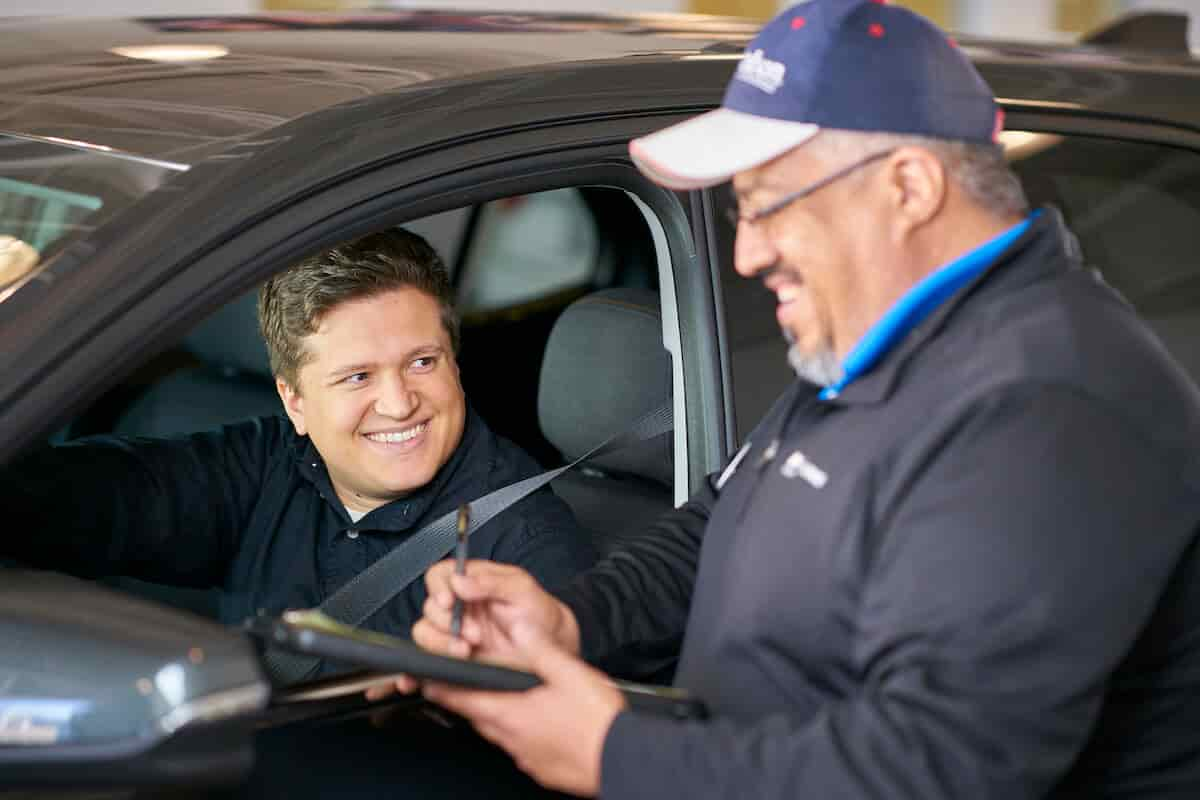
(921, 301)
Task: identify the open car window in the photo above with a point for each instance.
(596, 240)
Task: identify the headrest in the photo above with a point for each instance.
(230, 340)
(605, 367)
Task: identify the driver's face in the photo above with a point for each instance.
(380, 396)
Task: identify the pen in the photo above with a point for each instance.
(460, 564)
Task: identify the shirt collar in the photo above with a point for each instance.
(465, 468)
(919, 302)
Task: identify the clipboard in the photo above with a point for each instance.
(313, 633)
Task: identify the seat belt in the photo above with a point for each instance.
(374, 587)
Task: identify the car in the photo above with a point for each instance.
(154, 171)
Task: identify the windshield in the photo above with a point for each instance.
(53, 192)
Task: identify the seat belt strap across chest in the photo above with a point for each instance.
(374, 587)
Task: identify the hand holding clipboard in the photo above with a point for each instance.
(313, 633)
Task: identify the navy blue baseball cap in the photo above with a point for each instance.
(860, 65)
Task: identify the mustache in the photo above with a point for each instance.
(766, 274)
(774, 269)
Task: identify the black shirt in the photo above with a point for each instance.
(250, 508)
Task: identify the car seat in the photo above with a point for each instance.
(232, 382)
(604, 367)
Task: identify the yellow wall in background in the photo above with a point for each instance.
(940, 11)
(758, 9)
(1077, 16)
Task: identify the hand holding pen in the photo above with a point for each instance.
(460, 565)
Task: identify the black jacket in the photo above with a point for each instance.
(973, 574)
(250, 508)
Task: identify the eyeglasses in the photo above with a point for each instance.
(736, 217)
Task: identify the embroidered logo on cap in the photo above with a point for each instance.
(761, 72)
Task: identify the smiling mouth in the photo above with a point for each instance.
(786, 286)
(786, 294)
(397, 437)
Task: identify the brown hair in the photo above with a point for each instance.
(291, 304)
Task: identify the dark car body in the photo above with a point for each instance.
(215, 171)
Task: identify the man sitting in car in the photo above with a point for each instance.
(378, 441)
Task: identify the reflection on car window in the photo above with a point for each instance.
(526, 247)
(52, 194)
(1134, 207)
(40, 214)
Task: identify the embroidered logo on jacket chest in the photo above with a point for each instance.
(797, 465)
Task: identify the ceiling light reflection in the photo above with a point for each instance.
(1023, 144)
(172, 53)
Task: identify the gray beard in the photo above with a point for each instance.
(822, 368)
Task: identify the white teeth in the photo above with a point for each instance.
(399, 436)
(788, 293)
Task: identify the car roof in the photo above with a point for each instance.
(69, 79)
(99, 81)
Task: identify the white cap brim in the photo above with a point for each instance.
(711, 148)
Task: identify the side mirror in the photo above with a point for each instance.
(98, 688)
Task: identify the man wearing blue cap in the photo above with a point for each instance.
(958, 558)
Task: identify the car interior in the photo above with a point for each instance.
(562, 347)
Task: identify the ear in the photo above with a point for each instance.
(918, 189)
(293, 404)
